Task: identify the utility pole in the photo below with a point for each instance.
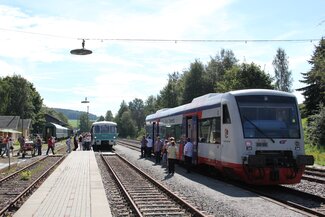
(87, 102)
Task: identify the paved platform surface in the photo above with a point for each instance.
(75, 189)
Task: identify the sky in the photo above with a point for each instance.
(36, 38)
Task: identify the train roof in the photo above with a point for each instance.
(260, 92)
(57, 126)
(211, 99)
(104, 123)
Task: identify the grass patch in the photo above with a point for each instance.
(25, 175)
(73, 123)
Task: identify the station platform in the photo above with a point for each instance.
(74, 189)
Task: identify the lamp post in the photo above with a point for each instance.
(87, 102)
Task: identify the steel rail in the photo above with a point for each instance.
(186, 205)
(24, 168)
(120, 185)
(30, 187)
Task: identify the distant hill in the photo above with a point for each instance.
(73, 114)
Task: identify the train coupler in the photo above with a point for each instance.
(305, 160)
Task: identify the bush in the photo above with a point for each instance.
(317, 152)
(316, 128)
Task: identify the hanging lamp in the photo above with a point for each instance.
(82, 51)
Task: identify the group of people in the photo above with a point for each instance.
(165, 152)
(6, 145)
(81, 142)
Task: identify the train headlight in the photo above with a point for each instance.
(248, 145)
(297, 146)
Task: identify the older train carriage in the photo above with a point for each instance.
(104, 135)
(251, 135)
(55, 130)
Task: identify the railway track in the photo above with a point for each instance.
(15, 187)
(145, 196)
(301, 201)
(133, 144)
(314, 175)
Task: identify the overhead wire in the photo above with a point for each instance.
(166, 40)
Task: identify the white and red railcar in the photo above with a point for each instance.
(252, 135)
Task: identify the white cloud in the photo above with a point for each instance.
(120, 70)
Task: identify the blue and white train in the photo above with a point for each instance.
(252, 135)
(104, 135)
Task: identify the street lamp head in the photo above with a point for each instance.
(85, 101)
(82, 51)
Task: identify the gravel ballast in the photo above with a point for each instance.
(207, 194)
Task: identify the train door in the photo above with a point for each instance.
(193, 135)
(191, 132)
(153, 132)
(225, 131)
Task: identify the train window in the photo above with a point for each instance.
(97, 129)
(174, 131)
(104, 129)
(226, 116)
(209, 130)
(112, 129)
(276, 117)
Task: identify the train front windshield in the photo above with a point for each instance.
(104, 129)
(269, 116)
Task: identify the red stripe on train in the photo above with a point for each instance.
(254, 175)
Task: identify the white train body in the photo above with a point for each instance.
(252, 135)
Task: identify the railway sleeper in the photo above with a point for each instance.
(166, 214)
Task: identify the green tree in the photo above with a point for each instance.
(62, 117)
(84, 123)
(316, 127)
(195, 84)
(171, 93)
(151, 105)
(245, 76)
(314, 92)
(123, 108)
(109, 116)
(283, 79)
(126, 126)
(217, 67)
(101, 118)
(4, 96)
(21, 97)
(136, 108)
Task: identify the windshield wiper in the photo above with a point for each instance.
(258, 129)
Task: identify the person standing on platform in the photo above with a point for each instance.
(22, 144)
(143, 146)
(50, 145)
(80, 142)
(188, 153)
(75, 142)
(149, 146)
(68, 143)
(164, 153)
(39, 145)
(171, 155)
(157, 149)
(5, 142)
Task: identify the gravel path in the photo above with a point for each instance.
(212, 196)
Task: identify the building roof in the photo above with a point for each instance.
(14, 122)
(10, 122)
